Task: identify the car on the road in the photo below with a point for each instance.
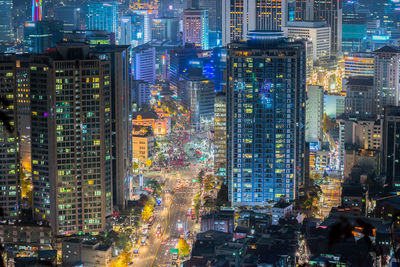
(179, 226)
(143, 241)
(158, 231)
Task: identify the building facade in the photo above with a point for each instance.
(71, 146)
(391, 147)
(359, 64)
(314, 113)
(144, 63)
(318, 33)
(6, 8)
(102, 16)
(265, 119)
(386, 77)
(220, 134)
(195, 27)
(42, 35)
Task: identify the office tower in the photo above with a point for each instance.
(144, 63)
(70, 16)
(386, 77)
(391, 147)
(331, 12)
(37, 10)
(9, 140)
(265, 118)
(197, 93)
(102, 16)
(220, 135)
(125, 37)
(42, 35)
(142, 93)
(238, 17)
(359, 64)
(214, 9)
(360, 96)
(179, 58)
(304, 10)
(195, 27)
(6, 7)
(71, 124)
(317, 32)
(165, 29)
(354, 29)
(271, 15)
(314, 113)
(121, 124)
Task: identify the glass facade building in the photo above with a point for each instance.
(102, 16)
(265, 119)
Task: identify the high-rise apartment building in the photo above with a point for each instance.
(314, 113)
(391, 147)
(121, 107)
(42, 35)
(6, 8)
(220, 134)
(195, 27)
(266, 97)
(102, 16)
(144, 63)
(386, 77)
(9, 140)
(71, 138)
(317, 32)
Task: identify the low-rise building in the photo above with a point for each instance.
(143, 142)
(86, 253)
(219, 221)
(159, 121)
(280, 210)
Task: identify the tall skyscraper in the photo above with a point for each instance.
(214, 9)
(102, 16)
(265, 118)
(142, 93)
(331, 12)
(220, 134)
(386, 77)
(70, 16)
(125, 37)
(195, 27)
(9, 141)
(391, 147)
(144, 62)
(314, 113)
(6, 7)
(197, 93)
(71, 126)
(42, 35)
(241, 16)
(238, 18)
(179, 58)
(121, 142)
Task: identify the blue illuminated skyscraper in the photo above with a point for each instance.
(102, 16)
(5, 20)
(265, 118)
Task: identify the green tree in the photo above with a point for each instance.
(183, 247)
(147, 210)
(135, 166)
(200, 176)
(222, 196)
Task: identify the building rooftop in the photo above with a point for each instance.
(387, 49)
(307, 24)
(144, 115)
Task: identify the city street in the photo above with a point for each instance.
(173, 209)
